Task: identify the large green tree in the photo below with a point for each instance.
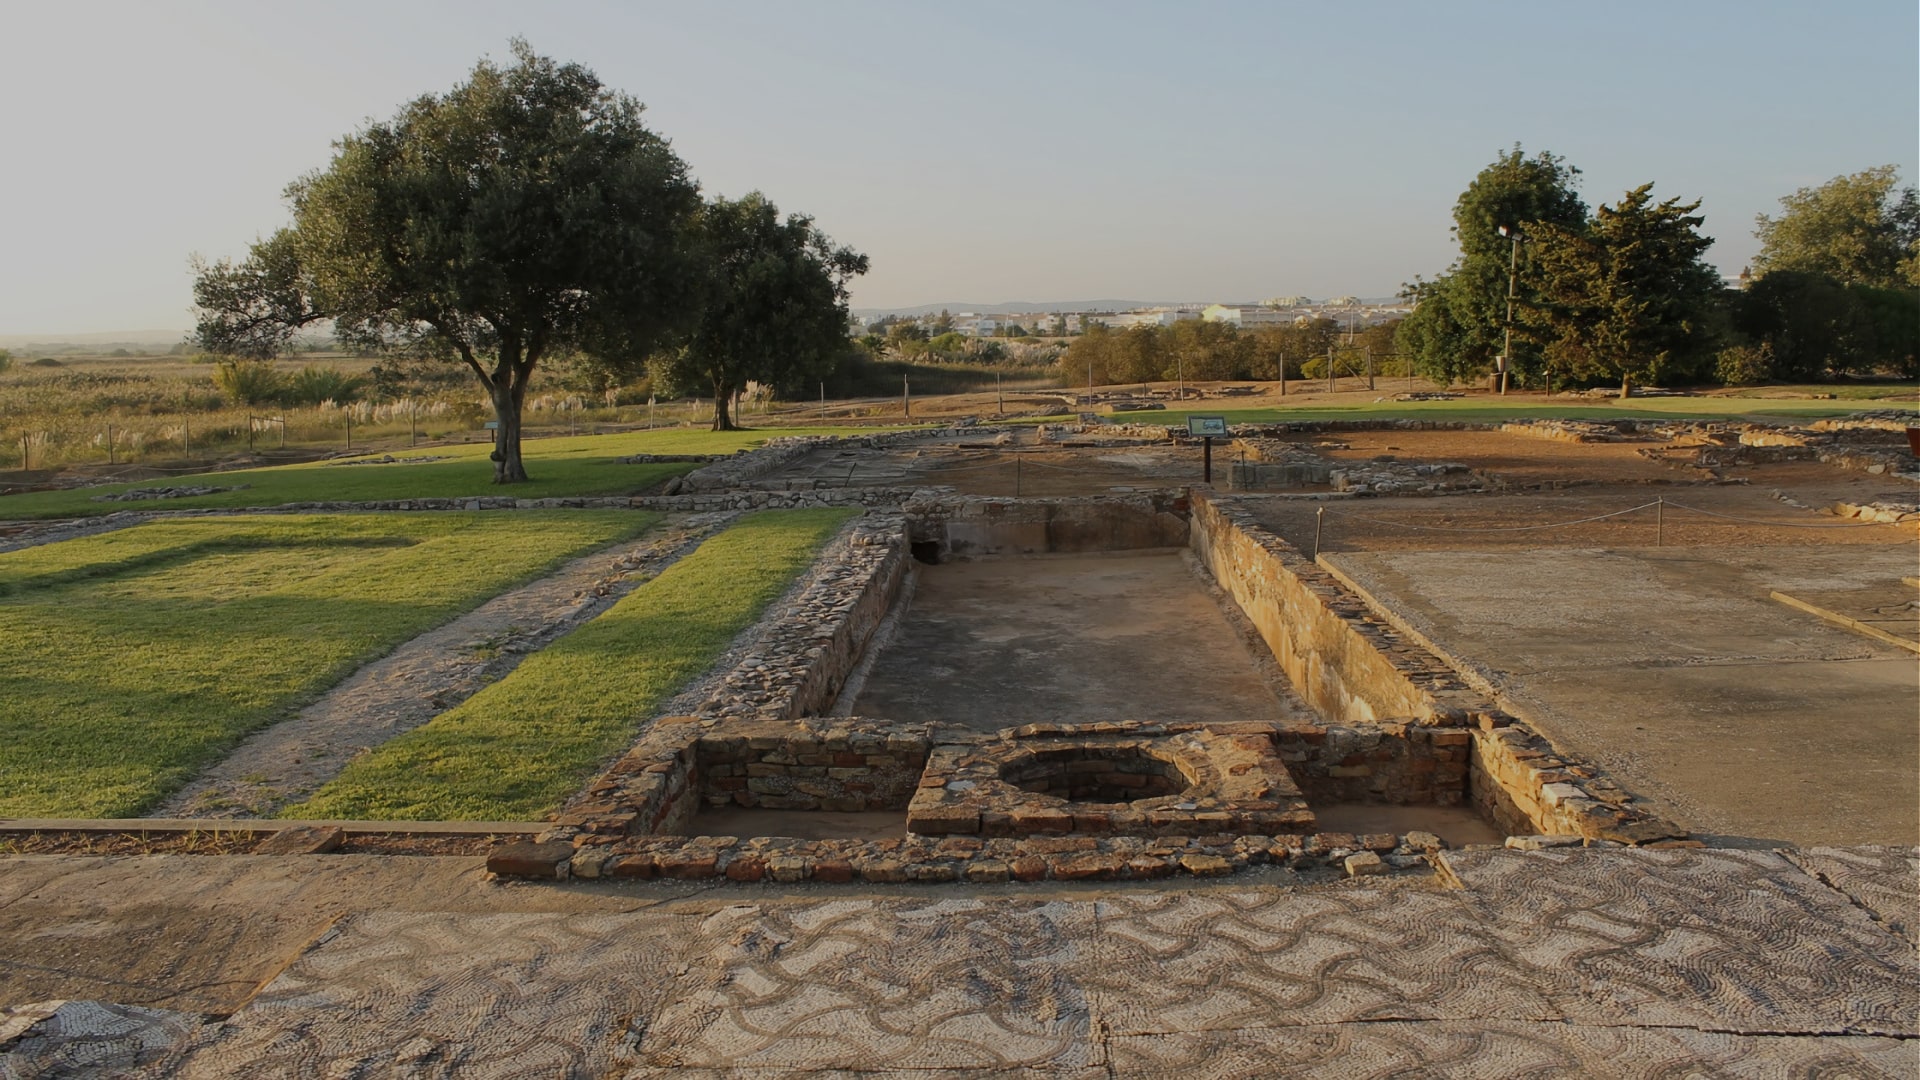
(1625, 295)
(772, 303)
(1458, 325)
(1861, 229)
(524, 212)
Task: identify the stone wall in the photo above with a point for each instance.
(962, 526)
(744, 468)
(803, 657)
(1361, 673)
(850, 766)
(1402, 764)
(1350, 667)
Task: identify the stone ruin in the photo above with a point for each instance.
(1127, 800)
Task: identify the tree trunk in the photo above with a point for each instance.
(722, 419)
(508, 468)
(1626, 386)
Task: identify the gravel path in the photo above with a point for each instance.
(285, 763)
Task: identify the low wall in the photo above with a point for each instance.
(1359, 672)
(1349, 667)
(961, 526)
(796, 668)
(1402, 764)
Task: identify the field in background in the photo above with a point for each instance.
(135, 658)
(515, 750)
(560, 467)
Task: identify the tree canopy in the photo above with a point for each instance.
(1858, 230)
(772, 301)
(526, 211)
(1625, 294)
(1459, 319)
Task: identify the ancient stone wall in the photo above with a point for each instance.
(1348, 666)
(964, 525)
(1402, 764)
(1359, 672)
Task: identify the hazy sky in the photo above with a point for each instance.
(978, 152)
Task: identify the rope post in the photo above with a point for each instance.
(1319, 519)
(1659, 521)
(1016, 476)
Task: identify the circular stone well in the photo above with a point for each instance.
(1103, 774)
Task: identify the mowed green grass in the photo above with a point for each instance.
(1482, 409)
(517, 749)
(574, 466)
(133, 659)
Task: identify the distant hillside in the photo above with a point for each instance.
(107, 339)
(1017, 307)
(1028, 307)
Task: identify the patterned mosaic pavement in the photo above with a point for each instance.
(1546, 963)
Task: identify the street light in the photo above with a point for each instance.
(1513, 267)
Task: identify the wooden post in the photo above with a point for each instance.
(1319, 519)
(110, 460)
(906, 397)
(1660, 522)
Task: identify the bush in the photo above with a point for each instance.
(314, 384)
(247, 382)
(6, 359)
(46, 361)
(1744, 365)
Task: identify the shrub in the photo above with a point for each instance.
(314, 384)
(247, 382)
(1744, 365)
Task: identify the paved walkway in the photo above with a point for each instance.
(1742, 719)
(1565, 961)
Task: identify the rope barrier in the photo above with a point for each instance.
(1785, 524)
(1497, 529)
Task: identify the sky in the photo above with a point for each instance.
(978, 152)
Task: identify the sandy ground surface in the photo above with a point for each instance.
(1738, 717)
(1504, 963)
(424, 677)
(997, 643)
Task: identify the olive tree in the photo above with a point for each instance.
(523, 213)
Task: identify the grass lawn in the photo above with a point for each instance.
(136, 658)
(517, 749)
(1484, 410)
(561, 467)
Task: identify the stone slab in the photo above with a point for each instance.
(1497, 1048)
(859, 984)
(1722, 940)
(1566, 961)
(1883, 880)
(1652, 661)
(431, 994)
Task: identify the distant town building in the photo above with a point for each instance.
(1247, 318)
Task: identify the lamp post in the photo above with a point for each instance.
(1513, 267)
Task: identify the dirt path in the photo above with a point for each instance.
(434, 672)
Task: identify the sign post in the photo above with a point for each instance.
(1207, 429)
